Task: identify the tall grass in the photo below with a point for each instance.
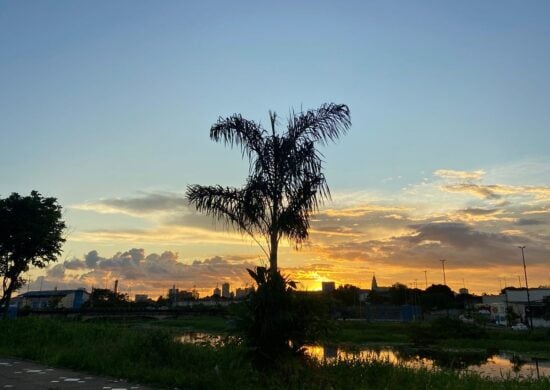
(152, 356)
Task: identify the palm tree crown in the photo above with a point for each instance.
(285, 182)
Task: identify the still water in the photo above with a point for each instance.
(501, 365)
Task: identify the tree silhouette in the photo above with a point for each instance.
(285, 182)
(31, 234)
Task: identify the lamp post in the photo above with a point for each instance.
(526, 285)
(443, 264)
(426, 278)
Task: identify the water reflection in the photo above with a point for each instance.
(500, 365)
(490, 365)
(200, 338)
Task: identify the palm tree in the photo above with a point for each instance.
(285, 182)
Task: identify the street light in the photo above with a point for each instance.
(443, 264)
(426, 278)
(526, 286)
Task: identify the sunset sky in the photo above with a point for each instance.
(107, 106)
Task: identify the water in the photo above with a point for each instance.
(501, 365)
(497, 366)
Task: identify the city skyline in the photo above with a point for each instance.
(107, 107)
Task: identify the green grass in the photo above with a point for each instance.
(363, 332)
(207, 324)
(150, 355)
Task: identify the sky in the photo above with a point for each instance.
(107, 106)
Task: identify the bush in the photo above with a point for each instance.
(277, 322)
(445, 328)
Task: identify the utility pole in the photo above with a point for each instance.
(426, 278)
(443, 264)
(526, 286)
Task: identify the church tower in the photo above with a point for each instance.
(374, 285)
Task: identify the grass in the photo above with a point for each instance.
(363, 332)
(149, 355)
(207, 324)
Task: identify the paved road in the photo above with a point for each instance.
(23, 375)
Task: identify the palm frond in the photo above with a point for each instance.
(325, 124)
(237, 131)
(285, 184)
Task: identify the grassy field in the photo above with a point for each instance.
(147, 353)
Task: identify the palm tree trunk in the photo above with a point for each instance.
(273, 252)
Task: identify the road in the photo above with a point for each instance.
(24, 375)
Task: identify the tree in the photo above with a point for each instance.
(347, 294)
(438, 297)
(285, 183)
(104, 297)
(31, 234)
(398, 294)
(284, 186)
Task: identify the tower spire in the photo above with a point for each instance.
(374, 285)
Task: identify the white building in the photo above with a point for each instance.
(516, 300)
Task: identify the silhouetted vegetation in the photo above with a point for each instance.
(546, 312)
(285, 185)
(153, 356)
(31, 235)
(444, 328)
(275, 320)
(437, 297)
(104, 297)
(347, 295)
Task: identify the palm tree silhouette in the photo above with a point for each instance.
(285, 182)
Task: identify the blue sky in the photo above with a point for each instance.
(105, 100)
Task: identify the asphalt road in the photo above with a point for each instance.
(24, 375)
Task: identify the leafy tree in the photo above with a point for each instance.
(104, 297)
(285, 183)
(31, 234)
(377, 298)
(398, 294)
(438, 296)
(347, 294)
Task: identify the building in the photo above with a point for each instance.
(515, 300)
(53, 299)
(376, 288)
(177, 296)
(140, 298)
(328, 287)
(217, 292)
(226, 292)
(242, 293)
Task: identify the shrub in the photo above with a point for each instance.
(277, 322)
(445, 328)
